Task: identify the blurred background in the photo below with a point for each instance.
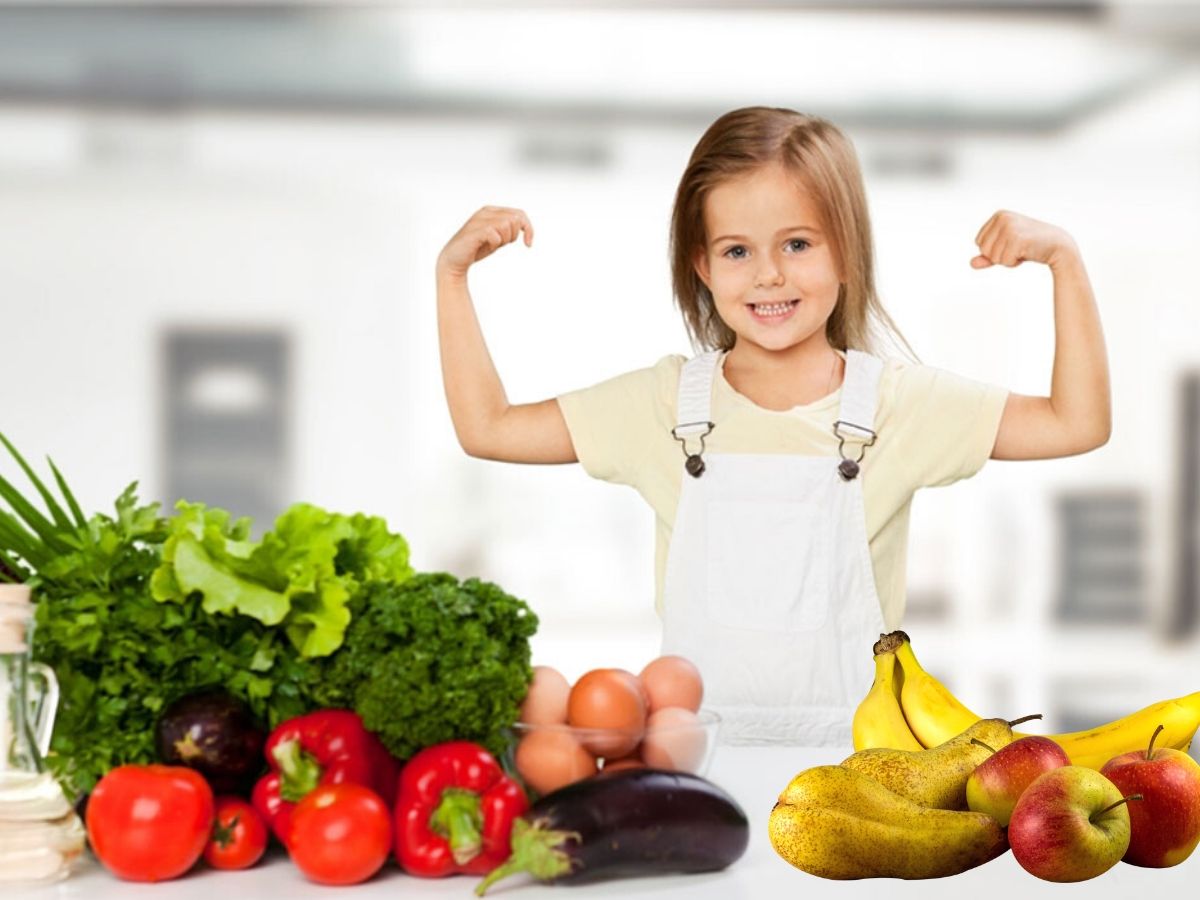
(218, 227)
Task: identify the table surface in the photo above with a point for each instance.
(754, 775)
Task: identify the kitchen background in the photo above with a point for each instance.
(218, 227)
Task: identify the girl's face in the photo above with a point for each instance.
(768, 262)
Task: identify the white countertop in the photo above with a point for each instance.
(754, 775)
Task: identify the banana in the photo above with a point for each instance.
(933, 713)
(1093, 747)
(879, 720)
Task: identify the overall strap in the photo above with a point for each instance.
(856, 415)
(860, 395)
(694, 409)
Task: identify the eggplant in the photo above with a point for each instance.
(214, 733)
(634, 822)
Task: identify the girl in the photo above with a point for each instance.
(782, 461)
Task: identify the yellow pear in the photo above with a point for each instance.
(835, 822)
(937, 777)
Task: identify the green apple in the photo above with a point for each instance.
(1165, 826)
(998, 782)
(1071, 824)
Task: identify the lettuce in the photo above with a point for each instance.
(301, 575)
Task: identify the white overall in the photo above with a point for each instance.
(769, 586)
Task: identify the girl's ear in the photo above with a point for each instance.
(700, 264)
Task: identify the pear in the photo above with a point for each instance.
(835, 822)
(937, 777)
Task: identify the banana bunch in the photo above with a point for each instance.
(907, 708)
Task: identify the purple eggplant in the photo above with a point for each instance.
(634, 822)
(214, 733)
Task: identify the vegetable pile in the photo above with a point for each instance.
(137, 610)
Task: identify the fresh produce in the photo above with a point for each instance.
(341, 834)
(998, 782)
(431, 660)
(879, 720)
(611, 700)
(672, 681)
(454, 812)
(150, 823)
(834, 822)
(936, 777)
(239, 835)
(631, 823)
(1164, 828)
(214, 733)
(300, 575)
(122, 657)
(329, 746)
(1071, 824)
(935, 715)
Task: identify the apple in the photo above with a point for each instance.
(1165, 827)
(1071, 824)
(998, 782)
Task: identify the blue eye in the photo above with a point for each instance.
(794, 241)
(736, 247)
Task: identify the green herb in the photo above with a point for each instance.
(431, 660)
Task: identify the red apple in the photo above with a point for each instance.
(1165, 826)
(1071, 824)
(998, 782)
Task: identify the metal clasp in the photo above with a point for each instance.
(848, 468)
(694, 464)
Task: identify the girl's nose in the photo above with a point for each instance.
(768, 275)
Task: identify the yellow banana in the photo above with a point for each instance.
(879, 720)
(933, 713)
(1093, 747)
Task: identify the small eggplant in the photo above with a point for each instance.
(630, 823)
(214, 733)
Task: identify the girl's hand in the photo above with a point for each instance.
(1009, 239)
(482, 235)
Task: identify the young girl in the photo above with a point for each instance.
(781, 461)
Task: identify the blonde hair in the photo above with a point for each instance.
(823, 159)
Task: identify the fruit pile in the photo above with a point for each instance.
(934, 790)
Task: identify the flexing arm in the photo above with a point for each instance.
(1077, 416)
(487, 425)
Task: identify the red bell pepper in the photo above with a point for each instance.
(330, 746)
(455, 811)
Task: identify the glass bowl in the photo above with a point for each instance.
(547, 757)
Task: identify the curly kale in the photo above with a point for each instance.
(432, 659)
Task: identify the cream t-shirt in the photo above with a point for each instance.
(933, 428)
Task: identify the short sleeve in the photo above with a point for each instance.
(949, 422)
(614, 424)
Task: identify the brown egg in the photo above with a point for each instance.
(608, 699)
(673, 681)
(625, 762)
(675, 739)
(546, 701)
(550, 758)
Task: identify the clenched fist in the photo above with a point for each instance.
(483, 234)
(1009, 239)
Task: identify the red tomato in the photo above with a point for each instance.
(340, 834)
(239, 835)
(150, 823)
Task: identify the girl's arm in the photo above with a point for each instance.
(1077, 416)
(487, 425)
